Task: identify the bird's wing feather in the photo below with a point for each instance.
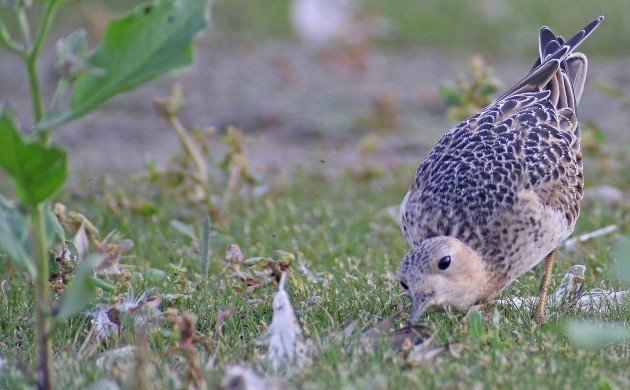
(558, 67)
(527, 141)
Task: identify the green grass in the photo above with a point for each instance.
(504, 26)
(452, 25)
(335, 226)
(492, 27)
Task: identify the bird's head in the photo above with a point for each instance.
(443, 271)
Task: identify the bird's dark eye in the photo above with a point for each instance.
(403, 285)
(444, 263)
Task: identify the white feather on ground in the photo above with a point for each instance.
(286, 346)
(569, 294)
(240, 377)
(111, 359)
(81, 242)
(144, 310)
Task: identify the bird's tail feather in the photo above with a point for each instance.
(558, 68)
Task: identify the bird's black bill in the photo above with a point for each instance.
(419, 306)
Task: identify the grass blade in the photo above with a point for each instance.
(205, 247)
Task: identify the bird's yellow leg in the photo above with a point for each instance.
(544, 285)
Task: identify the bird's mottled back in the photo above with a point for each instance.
(496, 180)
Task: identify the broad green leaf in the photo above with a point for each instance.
(153, 39)
(38, 170)
(53, 225)
(80, 291)
(14, 237)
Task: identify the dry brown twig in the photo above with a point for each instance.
(192, 168)
(185, 324)
(169, 108)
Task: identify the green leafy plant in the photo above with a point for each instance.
(153, 39)
(197, 178)
(470, 93)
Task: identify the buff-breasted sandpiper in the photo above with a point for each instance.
(501, 190)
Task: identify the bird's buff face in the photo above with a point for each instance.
(443, 271)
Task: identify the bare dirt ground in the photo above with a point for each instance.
(296, 109)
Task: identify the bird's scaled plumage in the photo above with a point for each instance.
(501, 190)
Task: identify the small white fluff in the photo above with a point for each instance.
(81, 242)
(123, 356)
(286, 346)
(241, 377)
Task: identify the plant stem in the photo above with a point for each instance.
(36, 91)
(32, 57)
(39, 244)
(44, 27)
(24, 26)
(8, 42)
(193, 151)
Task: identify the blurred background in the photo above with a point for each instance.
(324, 84)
